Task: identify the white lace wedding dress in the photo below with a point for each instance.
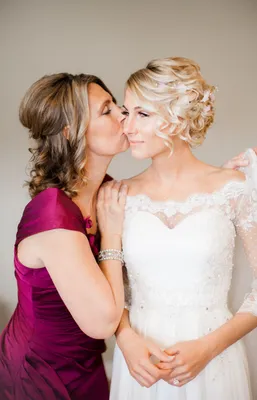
(179, 257)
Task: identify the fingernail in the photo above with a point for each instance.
(171, 358)
(154, 359)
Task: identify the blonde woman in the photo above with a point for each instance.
(181, 220)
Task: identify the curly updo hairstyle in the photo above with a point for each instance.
(51, 105)
(175, 88)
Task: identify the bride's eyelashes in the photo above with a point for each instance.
(141, 113)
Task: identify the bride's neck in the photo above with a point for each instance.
(165, 168)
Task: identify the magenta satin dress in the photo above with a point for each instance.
(44, 354)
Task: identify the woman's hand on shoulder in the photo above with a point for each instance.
(110, 207)
(238, 161)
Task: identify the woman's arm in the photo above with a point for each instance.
(94, 296)
(94, 302)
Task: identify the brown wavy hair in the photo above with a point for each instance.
(50, 105)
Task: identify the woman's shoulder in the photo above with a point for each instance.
(50, 209)
(51, 201)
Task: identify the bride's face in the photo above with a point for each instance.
(141, 124)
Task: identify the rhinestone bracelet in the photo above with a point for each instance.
(111, 254)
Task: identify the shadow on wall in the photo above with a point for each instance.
(4, 315)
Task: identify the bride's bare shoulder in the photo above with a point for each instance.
(221, 176)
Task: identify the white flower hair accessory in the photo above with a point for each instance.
(205, 110)
(208, 95)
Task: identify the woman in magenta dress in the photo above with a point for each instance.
(52, 346)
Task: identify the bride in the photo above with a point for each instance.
(181, 220)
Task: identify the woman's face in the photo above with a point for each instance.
(140, 126)
(105, 135)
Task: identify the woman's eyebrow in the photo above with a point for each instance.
(105, 103)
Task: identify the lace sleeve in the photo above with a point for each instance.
(246, 226)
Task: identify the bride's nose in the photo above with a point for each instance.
(130, 127)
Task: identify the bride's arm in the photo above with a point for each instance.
(191, 357)
(123, 327)
(246, 318)
(137, 352)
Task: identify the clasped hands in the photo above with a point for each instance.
(177, 365)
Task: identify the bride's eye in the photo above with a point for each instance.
(143, 114)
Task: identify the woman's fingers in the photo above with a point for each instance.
(123, 195)
(180, 382)
(108, 191)
(178, 373)
(115, 190)
(151, 370)
(142, 381)
(144, 378)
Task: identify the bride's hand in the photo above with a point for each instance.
(238, 161)
(191, 357)
(137, 352)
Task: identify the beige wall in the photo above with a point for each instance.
(111, 39)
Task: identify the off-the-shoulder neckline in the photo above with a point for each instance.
(225, 187)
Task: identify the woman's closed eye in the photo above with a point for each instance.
(106, 110)
(125, 113)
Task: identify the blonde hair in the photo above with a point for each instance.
(51, 105)
(176, 90)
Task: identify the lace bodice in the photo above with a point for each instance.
(181, 253)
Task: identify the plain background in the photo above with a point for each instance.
(112, 39)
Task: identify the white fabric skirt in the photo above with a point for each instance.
(225, 378)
